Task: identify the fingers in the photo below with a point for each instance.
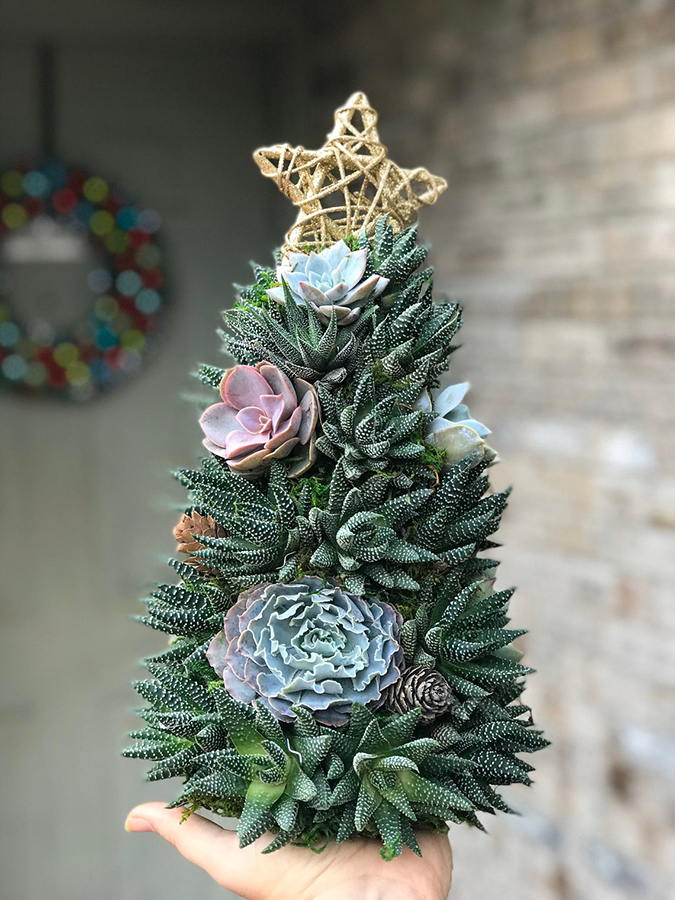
(200, 841)
(212, 848)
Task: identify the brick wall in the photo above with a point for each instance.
(554, 123)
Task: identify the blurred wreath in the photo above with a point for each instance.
(126, 281)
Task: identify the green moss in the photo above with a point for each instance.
(433, 457)
(381, 376)
(303, 567)
(406, 603)
(256, 295)
(318, 836)
(319, 486)
(228, 807)
(379, 373)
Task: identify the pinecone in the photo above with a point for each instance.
(419, 687)
(189, 528)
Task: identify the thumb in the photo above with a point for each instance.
(199, 840)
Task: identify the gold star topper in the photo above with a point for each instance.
(348, 184)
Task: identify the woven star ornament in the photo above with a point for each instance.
(347, 184)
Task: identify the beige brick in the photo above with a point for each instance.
(659, 72)
(633, 241)
(600, 91)
(564, 343)
(560, 51)
(641, 134)
(522, 109)
(552, 250)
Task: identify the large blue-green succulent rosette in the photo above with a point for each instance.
(308, 644)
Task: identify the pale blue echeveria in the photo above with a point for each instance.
(329, 281)
(308, 644)
(454, 430)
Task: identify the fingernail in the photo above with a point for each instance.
(134, 824)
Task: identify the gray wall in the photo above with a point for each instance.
(86, 502)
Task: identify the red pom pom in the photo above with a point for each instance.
(138, 238)
(76, 180)
(152, 278)
(125, 260)
(140, 321)
(33, 205)
(57, 377)
(126, 304)
(88, 352)
(112, 205)
(45, 355)
(112, 356)
(64, 200)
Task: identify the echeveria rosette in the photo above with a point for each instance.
(263, 416)
(308, 644)
(330, 281)
(453, 430)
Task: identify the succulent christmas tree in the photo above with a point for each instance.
(339, 661)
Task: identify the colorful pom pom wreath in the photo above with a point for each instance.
(339, 662)
(126, 282)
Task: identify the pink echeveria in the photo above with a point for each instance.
(264, 415)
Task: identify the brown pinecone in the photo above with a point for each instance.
(189, 528)
(420, 687)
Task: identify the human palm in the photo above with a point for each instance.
(350, 871)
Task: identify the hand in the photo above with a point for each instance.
(350, 871)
